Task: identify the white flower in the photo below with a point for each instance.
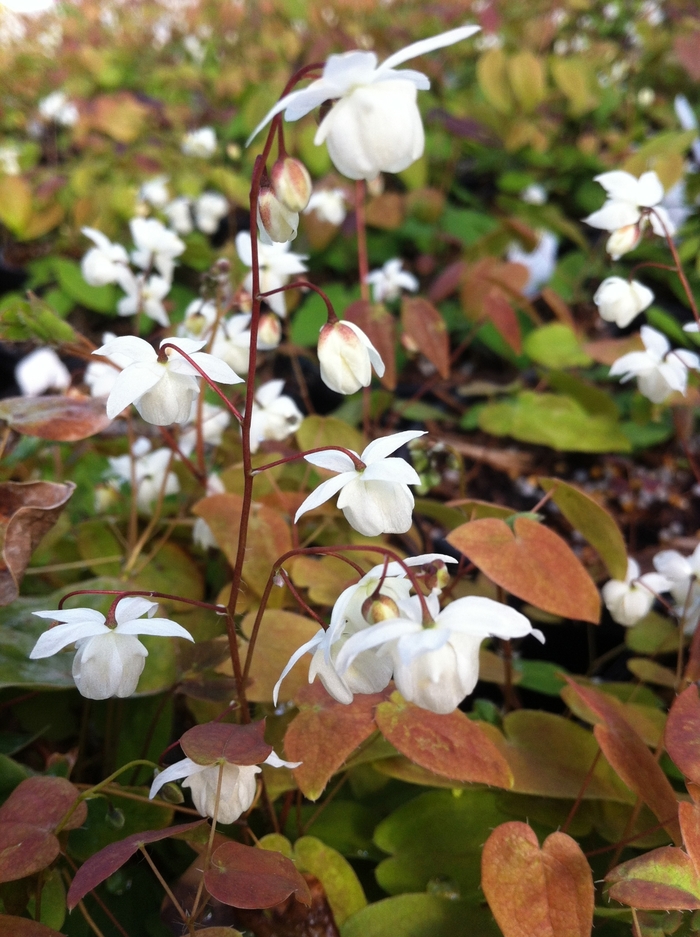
(9, 160)
(214, 421)
(275, 416)
(179, 214)
(144, 295)
(39, 371)
(109, 661)
(534, 194)
(238, 785)
(106, 262)
(375, 125)
(328, 205)
(659, 371)
(540, 262)
(346, 357)
(232, 342)
(209, 209)
(155, 192)
(688, 121)
(630, 600)
(436, 664)
(56, 107)
(277, 264)
(276, 222)
(628, 198)
(620, 301)
(151, 473)
(161, 391)
(202, 535)
(155, 244)
(200, 316)
(100, 376)
(623, 240)
(682, 573)
(375, 500)
(388, 282)
(201, 143)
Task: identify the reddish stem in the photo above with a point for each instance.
(149, 595)
(304, 284)
(679, 267)
(356, 461)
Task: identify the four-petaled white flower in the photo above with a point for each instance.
(161, 391)
(155, 244)
(375, 125)
(144, 295)
(620, 301)
(100, 376)
(376, 499)
(388, 282)
(209, 209)
(56, 107)
(179, 214)
(232, 342)
(629, 600)
(106, 262)
(109, 661)
(238, 785)
(631, 201)
(659, 371)
(436, 663)
(214, 421)
(347, 356)
(277, 264)
(275, 415)
(155, 192)
(201, 143)
(328, 205)
(151, 473)
(39, 371)
(682, 572)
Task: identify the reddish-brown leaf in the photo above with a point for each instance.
(687, 48)
(532, 562)
(11, 926)
(449, 745)
(27, 511)
(608, 350)
(689, 816)
(682, 736)
(535, 892)
(631, 758)
(423, 323)
(661, 880)
(24, 850)
(245, 877)
(63, 419)
(379, 326)
(326, 733)
(42, 802)
(106, 862)
(447, 282)
(236, 744)
(501, 313)
(386, 211)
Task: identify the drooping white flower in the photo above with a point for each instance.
(388, 282)
(214, 421)
(627, 209)
(155, 192)
(57, 108)
(277, 265)
(659, 371)
(629, 600)
(209, 209)
(277, 224)
(179, 214)
(436, 663)
(100, 376)
(275, 415)
(328, 205)
(39, 371)
(232, 342)
(161, 391)
(347, 356)
(200, 316)
(144, 295)
(155, 245)
(151, 473)
(200, 143)
(540, 262)
(106, 262)
(620, 301)
(238, 785)
(202, 535)
(375, 125)
(109, 661)
(682, 572)
(375, 500)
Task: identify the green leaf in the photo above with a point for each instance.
(421, 915)
(24, 319)
(99, 832)
(98, 298)
(466, 225)
(312, 315)
(542, 676)
(555, 346)
(342, 886)
(594, 400)
(19, 632)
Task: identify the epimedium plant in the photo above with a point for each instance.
(379, 707)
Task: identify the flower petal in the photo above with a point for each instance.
(325, 491)
(276, 762)
(55, 639)
(654, 341)
(649, 190)
(373, 637)
(181, 769)
(159, 627)
(134, 606)
(333, 460)
(131, 383)
(381, 448)
(478, 615)
(73, 615)
(428, 45)
(296, 104)
(307, 647)
(391, 470)
(216, 369)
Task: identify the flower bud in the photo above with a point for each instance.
(623, 240)
(620, 302)
(379, 608)
(435, 575)
(291, 183)
(346, 357)
(275, 219)
(269, 331)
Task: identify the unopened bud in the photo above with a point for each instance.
(346, 357)
(269, 331)
(276, 220)
(379, 608)
(623, 240)
(291, 183)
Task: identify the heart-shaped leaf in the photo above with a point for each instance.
(24, 850)
(661, 880)
(235, 744)
(63, 419)
(423, 323)
(43, 802)
(245, 877)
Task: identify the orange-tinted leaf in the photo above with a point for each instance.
(386, 211)
(593, 521)
(236, 744)
(608, 350)
(424, 324)
(689, 817)
(63, 419)
(558, 306)
(280, 634)
(245, 877)
(11, 926)
(682, 737)
(105, 862)
(121, 116)
(687, 48)
(449, 745)
(498, 310)
(43, 802)
(535, 892)
(326, 733)
(379, 326)
(24, 850)
(28, 510)
(661, 880)
(532, 562)
(447, 282)
(631, 758)
(647, 721)
(649, 671)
